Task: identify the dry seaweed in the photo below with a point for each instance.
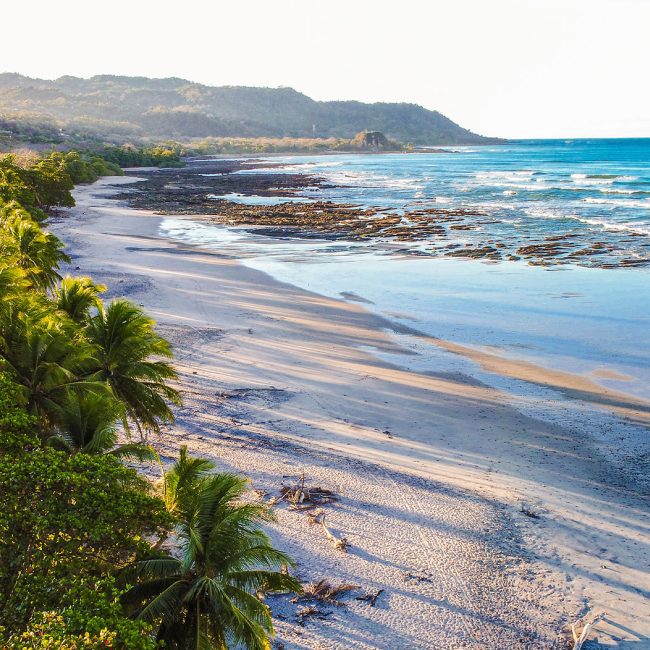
(310, 612)
(324, 591)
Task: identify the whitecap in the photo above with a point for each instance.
(601, 179)
(512, 176)
(547, 213)
(620, 203)
(616, 226)
(597, 181)
(373, 180)
(244, 199)
(605, 224)
(614, 190)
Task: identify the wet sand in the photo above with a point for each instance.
(432, 469)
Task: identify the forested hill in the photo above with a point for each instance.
(176, 108)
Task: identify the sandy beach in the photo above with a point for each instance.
(432, 470)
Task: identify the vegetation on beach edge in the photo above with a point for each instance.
(91, 553)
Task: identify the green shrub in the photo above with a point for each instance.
(65, 521)
(90, 615)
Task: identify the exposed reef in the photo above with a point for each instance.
(200, 188)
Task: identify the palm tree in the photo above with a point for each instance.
(206, 598)
(87, 424)
(78, 296)
(126, 349)
(38, 253)
(47, 358)
(13, 286)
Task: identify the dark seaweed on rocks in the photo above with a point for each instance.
(433, 231)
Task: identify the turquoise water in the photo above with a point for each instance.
(597, 191)
(568, 317)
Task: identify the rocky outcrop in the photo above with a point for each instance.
(373, 141)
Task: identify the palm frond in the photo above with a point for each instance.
(136, 451)
(182, 479)
(166, 605)
(265, 581)
(78, 296)
(128, 357)
(226, 558)
(153, 568)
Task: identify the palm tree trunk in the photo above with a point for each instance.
(197, 642)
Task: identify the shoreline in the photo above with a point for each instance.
(614, 413)
(323, 396)
(282, 154)
(281, 200)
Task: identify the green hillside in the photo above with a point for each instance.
(133, 107)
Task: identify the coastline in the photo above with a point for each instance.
(465, 458)
(360, 152)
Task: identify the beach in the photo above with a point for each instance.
(482, 525)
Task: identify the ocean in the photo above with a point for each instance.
(584, 308)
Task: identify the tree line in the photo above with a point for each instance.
(207, 146)
(119, 108)
(92, 554)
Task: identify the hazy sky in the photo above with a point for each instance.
(512, 68)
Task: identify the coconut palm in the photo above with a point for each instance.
(206, 597)
(87, 424)
(13, 283)
(38, 253)
(78, 296)
(129, 359)
(46, 357)
(181, 481)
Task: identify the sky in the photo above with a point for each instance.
(508, 68)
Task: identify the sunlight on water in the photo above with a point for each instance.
(580, 320)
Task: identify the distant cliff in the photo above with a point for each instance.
(180, 109)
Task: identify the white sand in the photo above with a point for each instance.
(431, 469)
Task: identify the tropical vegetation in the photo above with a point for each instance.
(206, 595)
(137, 108)
(84, 385)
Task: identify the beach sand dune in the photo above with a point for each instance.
(430, 471)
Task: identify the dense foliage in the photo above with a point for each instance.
(280, 145)
(27, 129)
(66, 522)
(144, 156)
(80, 532)
(127, 108)
(40, 184)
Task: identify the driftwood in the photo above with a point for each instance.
(304, 508)
(370, 597)
(314, 517)
(580, 639)
(340, 543)
(298, 494)
(324, 591)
